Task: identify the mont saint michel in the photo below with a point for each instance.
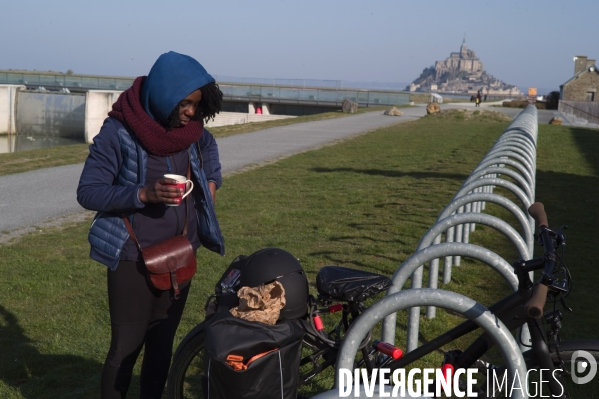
(463, 73)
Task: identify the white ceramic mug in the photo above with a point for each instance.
(182, 184)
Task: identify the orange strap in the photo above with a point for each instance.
(236, 361)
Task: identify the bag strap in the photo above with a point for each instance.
(236, 361)
(130, 230)
(184, 234)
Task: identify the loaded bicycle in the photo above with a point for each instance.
(559, 358)
(341, 299)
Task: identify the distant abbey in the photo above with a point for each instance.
(462, 73)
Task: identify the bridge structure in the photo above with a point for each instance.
(74, 106)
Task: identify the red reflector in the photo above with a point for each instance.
(318, 323)
(387, 349)
(335, 308)
(444, 369)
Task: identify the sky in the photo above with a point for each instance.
(527, 43)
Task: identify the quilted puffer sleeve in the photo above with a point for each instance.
(97, 190)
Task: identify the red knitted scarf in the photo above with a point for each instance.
(156, 139)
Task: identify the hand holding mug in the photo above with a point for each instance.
(171, 190)
(180, 182)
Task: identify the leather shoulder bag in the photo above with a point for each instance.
(171, 262)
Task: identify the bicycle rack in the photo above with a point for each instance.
(417, 259)
(515, 148)
(463, 231)
(482, 197)
(462, 218)
(434, 297)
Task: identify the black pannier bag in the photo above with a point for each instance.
(247, 360)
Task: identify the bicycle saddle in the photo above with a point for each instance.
(345, 284)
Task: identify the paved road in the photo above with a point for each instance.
(47, 196)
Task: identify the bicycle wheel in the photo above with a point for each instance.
(187, 370)
(317, 372)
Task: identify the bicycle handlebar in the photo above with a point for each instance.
(534, 306)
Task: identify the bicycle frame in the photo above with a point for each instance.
(320, 350)
(325, 351)
(510, 311)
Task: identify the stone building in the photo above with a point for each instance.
(465, 62)
(462, 72)
(584, 84)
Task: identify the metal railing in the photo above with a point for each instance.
(270, 94)
(304, 83)
(57, 81)
(280, 91)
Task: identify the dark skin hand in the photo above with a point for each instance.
(162, 191)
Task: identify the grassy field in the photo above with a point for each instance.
(65, 155)
(363, 203)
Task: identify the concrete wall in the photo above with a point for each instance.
(236, 118)
(97, 105)
(8, 95)
(252, 108)
(265, 109)
(7, 143)
(228, 118)
(577, 89)
(50, 114)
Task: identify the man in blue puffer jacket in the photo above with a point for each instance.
(155, 128)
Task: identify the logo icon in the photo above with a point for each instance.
(578, 367)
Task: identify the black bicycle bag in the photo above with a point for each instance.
(248, 360)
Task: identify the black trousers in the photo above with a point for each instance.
(140, 316)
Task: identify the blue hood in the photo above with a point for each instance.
(172, 78)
